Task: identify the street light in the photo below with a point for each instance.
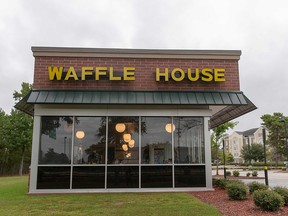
(265, 160)
(284, 121)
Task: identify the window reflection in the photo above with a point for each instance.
(156, 141)
(123, 177)
(123, 140)
(90, 140)
(55, 140)
(156, 176)
(88, 177)
(53, 177)
(190, 176)
(188, 140)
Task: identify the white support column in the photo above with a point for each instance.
(35, 152)
(208, 166)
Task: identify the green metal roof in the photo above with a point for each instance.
(236, 103)
(136, 97)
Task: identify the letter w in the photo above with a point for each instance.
(55, 72)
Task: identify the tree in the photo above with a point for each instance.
(19, 130)
(228, 157)
(218, 133)
(254, 152)
(276, 135)
(3, 141)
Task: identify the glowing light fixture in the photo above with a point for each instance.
(80, 134)
(131, 143)
(170, 127)
(128, 155)
(120, 127)
(127, 137)
(125, 147)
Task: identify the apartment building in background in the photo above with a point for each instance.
(235, 142)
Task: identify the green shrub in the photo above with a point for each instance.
(236, 173)
(254, 173)
(221, 183)
(253, 186)
(248, 174)
(237, 191)
(234, 181)
(283, 191)
(283, 168)
(267, 200)
(214, 181)
(228, 173)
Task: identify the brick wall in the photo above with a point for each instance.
(145, 74)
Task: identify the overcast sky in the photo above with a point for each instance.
(259, 28)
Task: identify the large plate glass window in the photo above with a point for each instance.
(188, 140)
(90, 140)
(123, 140)
(55, 140)
(156, 140)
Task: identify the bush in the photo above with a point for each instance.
(228, 173)
(248, 174)
(234, 181)
(267, 200)
(236, 173)
(283, 168)
(254, 173)
(237, 191)
(214, 181)
(253, 186)
(283, 191)
(221, 183)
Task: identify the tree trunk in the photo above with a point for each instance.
(21, 165)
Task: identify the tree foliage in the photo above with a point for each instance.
(228, 157)
(4, 151)
(253, 152)
(15, 137)
(218, 133)
(276, 127)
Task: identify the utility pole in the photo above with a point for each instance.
(265, 160)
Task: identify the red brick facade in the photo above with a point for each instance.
(145, 73)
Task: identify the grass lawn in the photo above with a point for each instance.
(15, 201)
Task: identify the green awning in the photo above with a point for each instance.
(234, 103)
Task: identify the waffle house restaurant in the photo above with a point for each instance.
(128, 120)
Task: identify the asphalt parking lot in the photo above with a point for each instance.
(275, 177)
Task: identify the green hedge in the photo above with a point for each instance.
(268, 200)
(237, 191)
(253, 186)
(282, 191)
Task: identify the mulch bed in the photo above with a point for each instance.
(220, 200)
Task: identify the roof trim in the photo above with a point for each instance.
(231, 112)
(135, 53)
(235, 103)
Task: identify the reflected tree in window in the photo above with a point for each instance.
(123, 139)
(55, 140)
(90, 147)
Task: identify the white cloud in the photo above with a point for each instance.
(258, 28)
